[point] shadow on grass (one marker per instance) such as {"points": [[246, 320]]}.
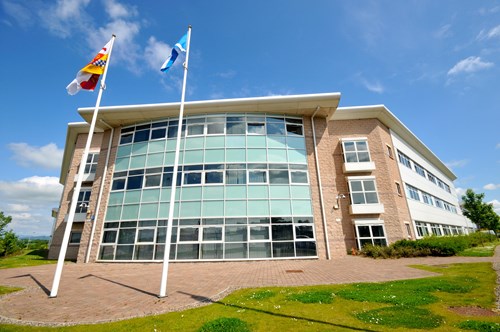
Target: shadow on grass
{"points": [[208, 300], [45, 289], [119, 284], [43, 253]]}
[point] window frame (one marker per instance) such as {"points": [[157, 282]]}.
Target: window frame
{"points": [[362, 179], [356, 151]]}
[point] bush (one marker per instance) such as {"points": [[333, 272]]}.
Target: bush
{"points": [[225, 324], [428, 246]]}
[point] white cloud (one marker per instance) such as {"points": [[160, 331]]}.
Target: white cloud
{"points": [[443, 32], [498, 146], [496, 205], [18, 207], [156, 52], [457, 163], [117, 10], [227, 74], [19, 13], [47, 156], [492, 33], [460, 191], [469, 65], [373, 86], [71, 18], [29, 202], [65, 16], [491, 186]]}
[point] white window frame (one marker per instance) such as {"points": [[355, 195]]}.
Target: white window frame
{"points": [[350, 179], [355, 140], [369, 223]]}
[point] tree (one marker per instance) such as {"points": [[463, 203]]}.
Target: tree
{"points": [[479, 212], [9, 242]]}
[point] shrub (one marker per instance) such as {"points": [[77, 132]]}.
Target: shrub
{"points": [[480, 326], [225, 324], [428, 246], [324, 296]]}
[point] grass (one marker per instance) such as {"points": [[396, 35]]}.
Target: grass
{"points": [[408, 305], [4, 290], [486, 250], [26, 258]]}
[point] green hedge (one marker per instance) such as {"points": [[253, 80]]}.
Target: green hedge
{"points": [[428, 246]]}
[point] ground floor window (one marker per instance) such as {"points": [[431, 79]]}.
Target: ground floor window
{"points": [[75, 237], [210, 239], [370, 232]]}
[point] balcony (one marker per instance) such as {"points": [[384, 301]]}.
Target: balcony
{"points": [[366, 208], [354, 167]]}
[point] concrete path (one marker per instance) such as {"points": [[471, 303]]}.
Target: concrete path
{"points": [[91, 293]]}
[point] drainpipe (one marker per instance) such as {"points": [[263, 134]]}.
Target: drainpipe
{"points": [[89, 247], [321, 200]]}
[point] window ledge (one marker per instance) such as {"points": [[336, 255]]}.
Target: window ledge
{"points": [[366, 208], [359, 167], [86, 177], [78, 217]]}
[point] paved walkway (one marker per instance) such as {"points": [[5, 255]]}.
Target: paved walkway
{"points": [[91, 293]]}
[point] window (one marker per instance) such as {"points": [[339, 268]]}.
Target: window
{"points": [[298, 176], [431, 178], [363, 191], [236, 177], [427, 198], [75, 237], [422, 229], [91, 164], [214, 177], [412, 192], [256, 128], [83, 200], [257, 176], [370, 232], [436, 230], [356, 151], [408, 230], [404, 159], [192, 178], [389, 152], [398, 189], [419, 169]]}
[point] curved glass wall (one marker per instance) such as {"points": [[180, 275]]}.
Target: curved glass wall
{"points": [[242, 190]]}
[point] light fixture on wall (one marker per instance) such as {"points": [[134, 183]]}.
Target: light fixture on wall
{"points": [[337, 203]]}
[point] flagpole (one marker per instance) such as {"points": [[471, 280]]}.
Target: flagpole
{"points": [[76, 190], [166, 257]]}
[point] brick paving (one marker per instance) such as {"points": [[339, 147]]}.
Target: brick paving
{"points": [[91, 293]]}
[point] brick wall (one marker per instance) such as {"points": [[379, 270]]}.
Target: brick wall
{"points": [[60, 226], [340, 228]]}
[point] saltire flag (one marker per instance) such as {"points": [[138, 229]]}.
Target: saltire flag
{"points": [[88, 76], [179, 47]]}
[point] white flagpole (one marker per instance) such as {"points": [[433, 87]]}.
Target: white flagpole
{"points": [[76, 190], [166, 257]]}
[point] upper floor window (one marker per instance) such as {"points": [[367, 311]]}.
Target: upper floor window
{"points": [[363, 191], [83, 200], [91, 164], [356, 151], [404, 159], [419, 169], [413, 192]]}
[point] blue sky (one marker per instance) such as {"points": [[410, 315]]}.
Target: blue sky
{"points": [[434, 64]]}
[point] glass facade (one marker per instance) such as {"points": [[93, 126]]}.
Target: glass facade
{"points": [[242, 190]]}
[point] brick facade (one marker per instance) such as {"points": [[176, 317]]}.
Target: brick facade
{"points": [[60, 224]]}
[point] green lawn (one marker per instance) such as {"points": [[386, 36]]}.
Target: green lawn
{"points": [[26, 258], [407, 305], [486, 250]]}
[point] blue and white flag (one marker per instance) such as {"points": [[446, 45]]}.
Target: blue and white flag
{"points": [[179, 47]]}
